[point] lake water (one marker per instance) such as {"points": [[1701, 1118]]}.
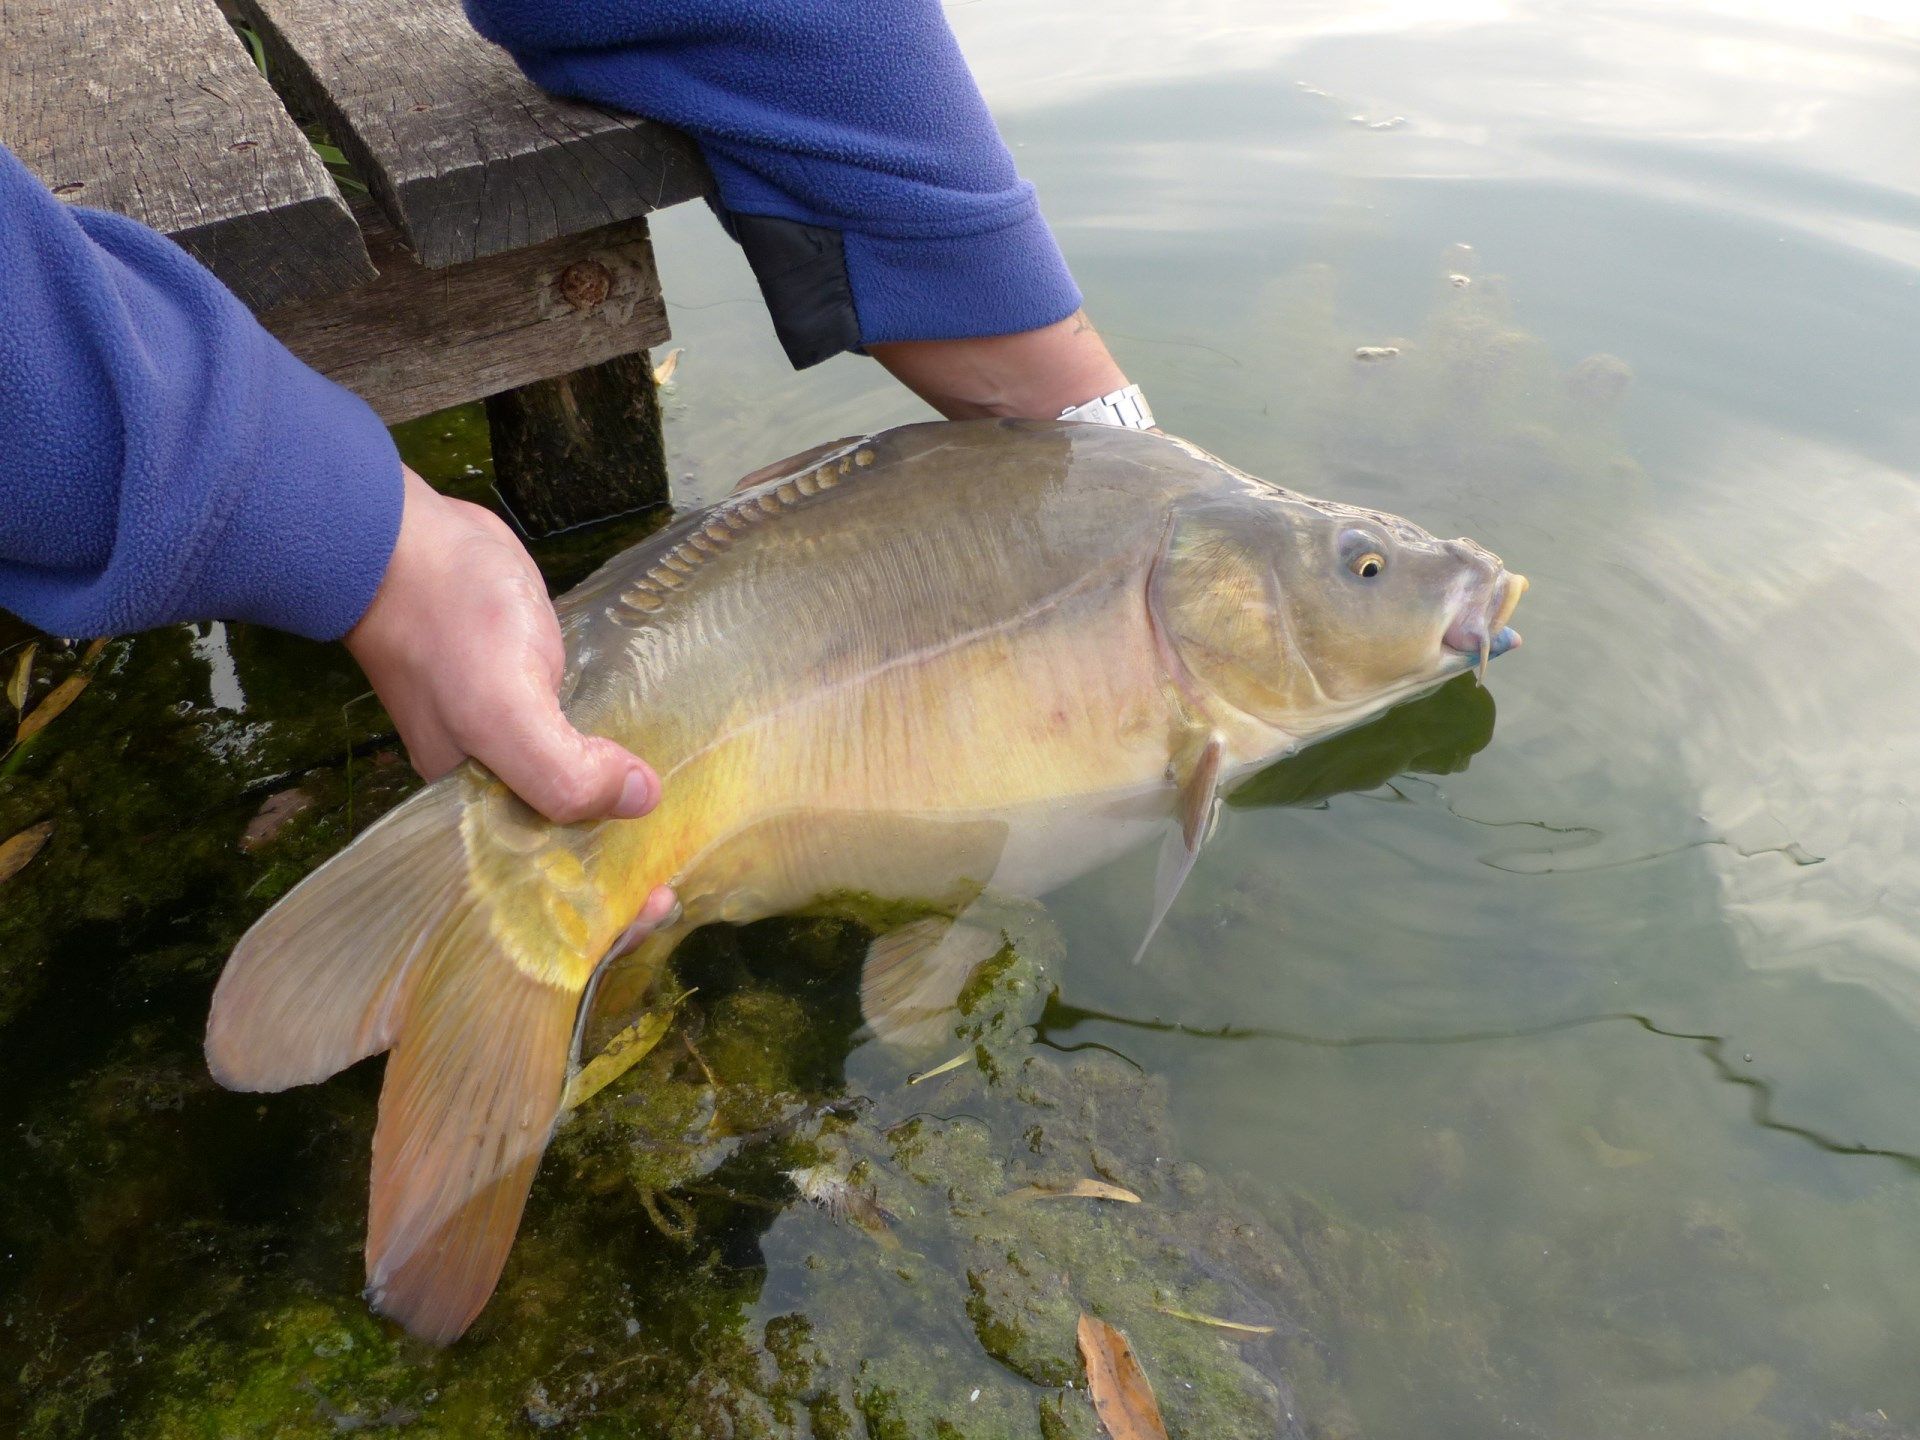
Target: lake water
{"points": [[1628, 1011], [1593, 998]]}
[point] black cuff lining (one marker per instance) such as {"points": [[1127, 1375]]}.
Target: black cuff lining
{"points": [[802, 270]]}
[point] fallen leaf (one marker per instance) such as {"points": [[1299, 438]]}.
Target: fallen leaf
{"points": [[623, 1052], [663, 372], [1077, 1190], [48, 710], [61, 696], [16, 852], [272, 817], [942, 1068], [1215, 1321], [22, 675], [1122, 1397]]}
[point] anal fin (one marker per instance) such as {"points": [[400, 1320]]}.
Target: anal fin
{"points": [[914, 975]]}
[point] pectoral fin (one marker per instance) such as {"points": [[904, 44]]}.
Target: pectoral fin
{"points": [[914, 975], [1199, 807]]}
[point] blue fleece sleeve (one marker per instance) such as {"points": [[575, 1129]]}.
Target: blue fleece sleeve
{"points": [[161, 456], [854, 126]]}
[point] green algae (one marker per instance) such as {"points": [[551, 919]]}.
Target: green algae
{"points": [[183, 1262]]}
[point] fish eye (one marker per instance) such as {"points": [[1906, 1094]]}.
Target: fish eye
{"points": [[1367, 564]]}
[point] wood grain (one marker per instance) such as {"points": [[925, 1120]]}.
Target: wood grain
{"points": [[153, 109], [467, 156], [419, 340]]}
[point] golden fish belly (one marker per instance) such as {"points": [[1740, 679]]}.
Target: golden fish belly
{"points": [[1012, 758]]}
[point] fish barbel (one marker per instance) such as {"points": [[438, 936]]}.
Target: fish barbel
{"points": [[935, 664]]}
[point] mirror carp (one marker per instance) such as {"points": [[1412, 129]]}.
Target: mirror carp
{"points": [[940, 664]]}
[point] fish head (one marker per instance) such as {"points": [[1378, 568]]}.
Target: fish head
{"points": [[1311, 617]]}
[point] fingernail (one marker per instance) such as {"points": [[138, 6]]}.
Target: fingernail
{"points": [[637, 795]]}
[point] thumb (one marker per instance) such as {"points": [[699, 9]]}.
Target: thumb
{"points": [[568, 776]]}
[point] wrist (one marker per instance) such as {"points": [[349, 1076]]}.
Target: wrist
{"points": [[1035, 374], [416, 548]]}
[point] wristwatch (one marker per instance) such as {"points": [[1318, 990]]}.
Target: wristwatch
{"points": [[1126, 408]]}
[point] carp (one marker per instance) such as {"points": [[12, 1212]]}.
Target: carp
{"points": [[942, 664]]}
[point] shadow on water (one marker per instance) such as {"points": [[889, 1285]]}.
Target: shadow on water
{"points": [[1435, 735]]}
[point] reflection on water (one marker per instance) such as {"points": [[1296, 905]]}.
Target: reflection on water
{"points": [[1570, 1058]]}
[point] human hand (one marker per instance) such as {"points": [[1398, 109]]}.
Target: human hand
{"points": [[463, 648]]}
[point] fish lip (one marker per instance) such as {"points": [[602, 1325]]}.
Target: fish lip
{"points": [[1480, 631], [1510, 593]]}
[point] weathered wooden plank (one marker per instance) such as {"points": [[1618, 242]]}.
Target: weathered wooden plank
{"points": [[580, 447], [419, 340], [467, 156], [153, 108]]}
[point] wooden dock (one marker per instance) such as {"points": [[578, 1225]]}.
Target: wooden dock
{"points": [[499, 251]]}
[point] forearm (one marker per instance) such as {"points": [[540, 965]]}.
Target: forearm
{"points": [[855, 159], [161, 456], [1035, 374]]}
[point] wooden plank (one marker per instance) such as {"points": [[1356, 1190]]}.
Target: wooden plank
{"points": [[419, 340], [153, 108], [466, 155]]}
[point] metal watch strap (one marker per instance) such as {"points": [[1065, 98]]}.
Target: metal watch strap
{"points": [[1126, 408]]}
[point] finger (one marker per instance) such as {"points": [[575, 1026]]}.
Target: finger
{"points": [[565, 775], [430, 750]]}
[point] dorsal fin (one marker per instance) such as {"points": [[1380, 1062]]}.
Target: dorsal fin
{"points": [[633, 589], [805, 460]]}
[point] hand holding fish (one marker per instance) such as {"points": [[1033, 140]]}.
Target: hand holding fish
{"points": [[462, 646]]}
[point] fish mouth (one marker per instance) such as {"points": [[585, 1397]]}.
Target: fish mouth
{"points": [[1480, 632]]}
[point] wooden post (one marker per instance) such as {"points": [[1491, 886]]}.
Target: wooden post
{"points": [[585, 446]]}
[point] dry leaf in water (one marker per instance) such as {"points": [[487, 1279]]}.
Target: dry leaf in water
{"points": [[625, 1050], [1238, 1326], [273, 816], [17, 851], [941, 1069], [22, 676], [61, 696], [48, 710], [1122, 1398], [663, 372], [1077, 1190]]}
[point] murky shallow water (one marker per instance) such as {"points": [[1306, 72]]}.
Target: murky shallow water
{"points": [[1604, 1028]]}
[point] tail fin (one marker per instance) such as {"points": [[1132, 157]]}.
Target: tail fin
{"points": [[473, 1089], [388, 945]]}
